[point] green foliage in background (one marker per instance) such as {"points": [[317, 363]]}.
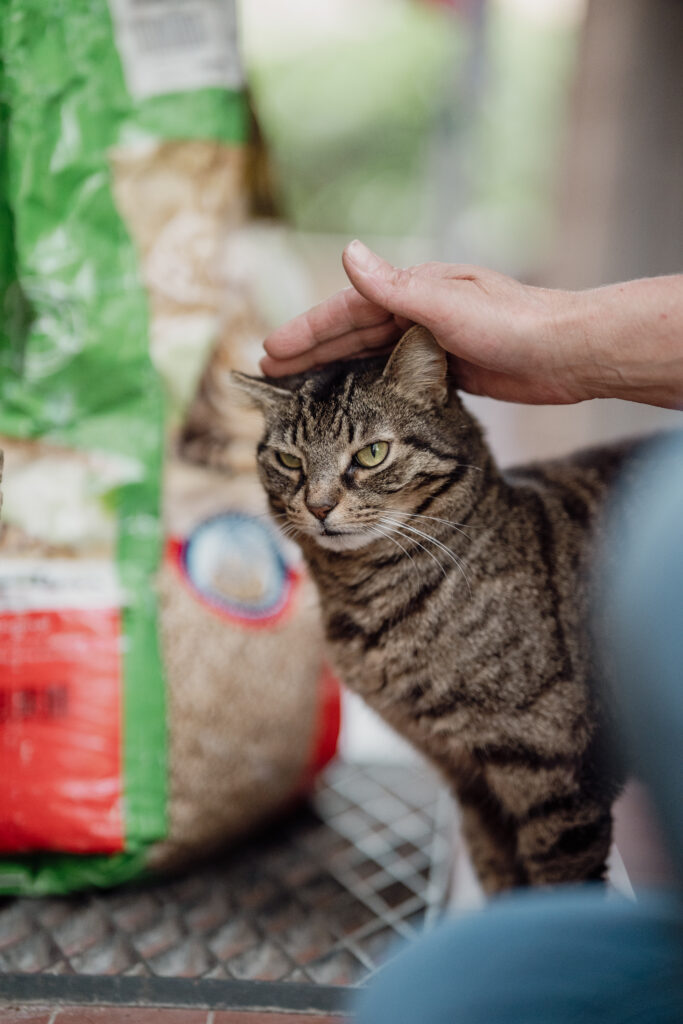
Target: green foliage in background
{"points": [[514, 163], [351, 122], [387, 133]]}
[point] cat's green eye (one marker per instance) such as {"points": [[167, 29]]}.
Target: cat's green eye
{"points": [[290, 461], [372, 455]]}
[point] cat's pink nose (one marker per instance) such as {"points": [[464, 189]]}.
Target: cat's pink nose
{"points": [[319, 511]]}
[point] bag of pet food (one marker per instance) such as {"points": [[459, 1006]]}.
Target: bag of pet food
{"points": [[162, 678]]}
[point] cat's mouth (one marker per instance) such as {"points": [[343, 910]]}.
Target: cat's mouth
{"points": [[341, 540]]}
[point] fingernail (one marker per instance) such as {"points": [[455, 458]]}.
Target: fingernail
{"points": [[364, 258]]}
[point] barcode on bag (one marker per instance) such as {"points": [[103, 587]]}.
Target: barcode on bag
{"points": [[174, 32], [177, 45]]}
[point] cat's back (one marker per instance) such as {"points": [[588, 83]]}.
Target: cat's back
{"points": [[583, 481], [564, 504]]}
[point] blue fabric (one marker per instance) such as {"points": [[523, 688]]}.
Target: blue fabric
{"points": [[569, 956], [644, 597], [573, 955]]}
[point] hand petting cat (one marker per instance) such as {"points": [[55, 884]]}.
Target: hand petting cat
{"points": [[505, 339]]}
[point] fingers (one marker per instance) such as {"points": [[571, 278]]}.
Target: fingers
{"points": [[355, 343], [383, 302], [411, 294], [336, 317]]}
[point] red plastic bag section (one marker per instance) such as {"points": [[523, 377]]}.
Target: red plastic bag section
{"points": [[60, 731]]}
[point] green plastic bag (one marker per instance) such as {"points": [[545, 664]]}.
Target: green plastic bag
{"points": [[82, 423]]}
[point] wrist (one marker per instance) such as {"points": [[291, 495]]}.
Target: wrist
{"points": [[621, 341], [564, 334]]}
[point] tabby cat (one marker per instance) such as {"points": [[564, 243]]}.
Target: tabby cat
{"points": [[454, 597]]}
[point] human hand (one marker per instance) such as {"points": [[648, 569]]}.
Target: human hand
{"points": [[505, 339], [489, 324]]}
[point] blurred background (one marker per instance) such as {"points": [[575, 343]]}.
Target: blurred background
{"points": [[543, 138]]}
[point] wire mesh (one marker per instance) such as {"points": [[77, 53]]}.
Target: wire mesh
{"points": [[320, 898]]}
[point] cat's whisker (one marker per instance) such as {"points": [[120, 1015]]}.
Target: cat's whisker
{"points": [[378, 531], [397, 528], [459, 560], [434, 540], [435, 519], [451, 554], [289, 532], [267, 515]]}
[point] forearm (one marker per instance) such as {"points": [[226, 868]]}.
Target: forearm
{"points": [[625, 340]]}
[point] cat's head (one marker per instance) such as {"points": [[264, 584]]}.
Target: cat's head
{"points": [[348, 447]]}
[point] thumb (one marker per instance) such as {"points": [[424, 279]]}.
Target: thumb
{"points": [[396, 290]]}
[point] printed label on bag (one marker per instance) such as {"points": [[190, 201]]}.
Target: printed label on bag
{"points": [[60, 706], [177, 45], [235, 564], [42, 583]]}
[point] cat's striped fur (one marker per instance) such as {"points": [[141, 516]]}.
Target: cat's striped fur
{"points": [[460, 617]]}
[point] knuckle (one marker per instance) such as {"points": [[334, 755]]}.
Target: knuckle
{"points": [[400, 277]]}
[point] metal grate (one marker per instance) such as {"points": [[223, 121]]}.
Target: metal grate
{"points": [[317, 901]]}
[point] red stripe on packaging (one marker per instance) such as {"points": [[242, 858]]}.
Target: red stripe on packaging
{"points": [[60, 731], [327, 725]]}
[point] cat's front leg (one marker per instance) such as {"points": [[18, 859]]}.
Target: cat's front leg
{"points": [[563, 833], [565, 839], [490, 836]]}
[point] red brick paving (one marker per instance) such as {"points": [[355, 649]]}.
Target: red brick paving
{"points": [[152, 1015], [234, 1017], [129, 1015], [14, 1016]]}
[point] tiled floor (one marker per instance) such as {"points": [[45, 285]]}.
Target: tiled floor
{"points": [[288, 921], [314, 905]]}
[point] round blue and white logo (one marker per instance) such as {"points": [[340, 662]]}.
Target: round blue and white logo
{"points": [[236, 564]]}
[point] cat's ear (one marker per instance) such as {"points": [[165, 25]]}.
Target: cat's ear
{"points": [[418, 366], [268, 397]]}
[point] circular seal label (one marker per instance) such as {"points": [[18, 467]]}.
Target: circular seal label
{"points": [[235, 563]]}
